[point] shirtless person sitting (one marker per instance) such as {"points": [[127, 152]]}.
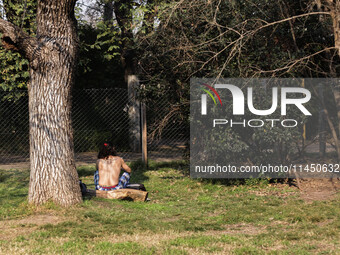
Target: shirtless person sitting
{"points": [[109, 166]]}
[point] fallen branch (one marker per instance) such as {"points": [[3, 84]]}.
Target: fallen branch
{"points": [[126, 194]]}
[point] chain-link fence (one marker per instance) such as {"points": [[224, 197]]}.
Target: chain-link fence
{"points": [[14, 139], [168, 131], [98, 115]]}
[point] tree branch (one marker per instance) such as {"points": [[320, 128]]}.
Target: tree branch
{"points": [[15, 39]]}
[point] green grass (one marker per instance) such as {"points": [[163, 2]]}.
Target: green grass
{"points": [[185, 216]]}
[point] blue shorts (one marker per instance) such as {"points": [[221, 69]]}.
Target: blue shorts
{"points": [[123, 181]]}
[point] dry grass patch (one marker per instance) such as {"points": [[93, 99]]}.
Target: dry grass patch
{"points": [[10, 229]]}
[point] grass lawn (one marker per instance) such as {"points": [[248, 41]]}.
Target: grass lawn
{"points": [[184, 216]]}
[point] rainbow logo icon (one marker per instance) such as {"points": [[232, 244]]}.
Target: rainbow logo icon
{"points": [[211, 95]]}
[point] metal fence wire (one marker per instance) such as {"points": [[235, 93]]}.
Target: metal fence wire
{"points": [[168, 132], [14, 133], [98, 115]]}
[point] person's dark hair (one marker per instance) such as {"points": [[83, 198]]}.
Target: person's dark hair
{"points": [[107, 150]]}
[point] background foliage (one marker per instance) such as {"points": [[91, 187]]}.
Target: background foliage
{"points": [[166, 43]]}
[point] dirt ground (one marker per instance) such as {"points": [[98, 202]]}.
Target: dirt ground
{"points": [[309, 189], [89, 158], [319, 189], [162, 154]]}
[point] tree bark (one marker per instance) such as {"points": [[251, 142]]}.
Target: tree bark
{"points": [[52, 56], [337, 101], [123, 14], [321, 124], [335, 14], [108, 11], [333, 7], [330, 124], [134, 113]]}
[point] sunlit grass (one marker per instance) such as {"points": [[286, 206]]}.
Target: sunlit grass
{"points": [[184, 216]]}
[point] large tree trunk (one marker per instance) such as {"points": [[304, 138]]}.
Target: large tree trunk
{"points": [[52, 56], [337, 101], [336, 27], [123, 11], [134, 113], [53, 171], [108, 11], [124, 17], [321, 124], [334, 9]]}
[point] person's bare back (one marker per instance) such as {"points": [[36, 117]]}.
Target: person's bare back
{"points": [[109, 165], [109, 170]]}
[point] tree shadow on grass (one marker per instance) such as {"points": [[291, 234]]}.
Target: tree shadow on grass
{"points": [[85, 171], [17, 178], [13, 195], [183, 167]]}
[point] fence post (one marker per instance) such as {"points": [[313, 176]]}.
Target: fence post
{"points": [[144, 135]]}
